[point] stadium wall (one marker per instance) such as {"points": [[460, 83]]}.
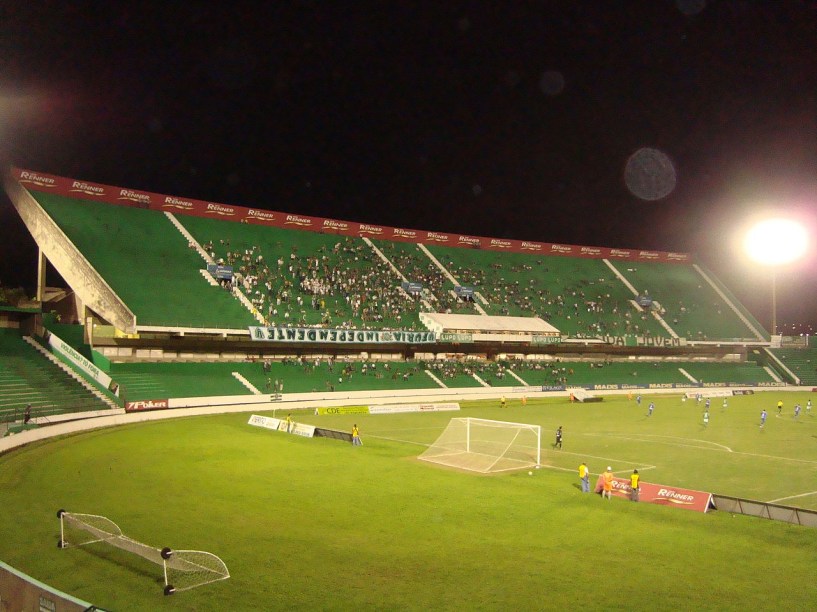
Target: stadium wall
{"points": [[158, 409], [18, 591]]}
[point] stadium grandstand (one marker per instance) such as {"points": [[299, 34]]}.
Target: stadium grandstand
{"points": [[168, 297]]}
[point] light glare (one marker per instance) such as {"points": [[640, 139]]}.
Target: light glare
{"points": [[776, 241]]}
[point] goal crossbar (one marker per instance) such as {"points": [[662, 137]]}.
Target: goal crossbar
{"points": [[490, 422], [182, 569]]}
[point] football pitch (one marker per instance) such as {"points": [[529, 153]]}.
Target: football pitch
{"points": [[319, 524]]}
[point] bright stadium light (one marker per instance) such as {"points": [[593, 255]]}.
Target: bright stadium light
{"points": [[776, 241], [773, 243]]}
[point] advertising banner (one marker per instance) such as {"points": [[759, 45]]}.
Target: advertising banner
{"points": [[343, 410], [412, 287], [456, 338], [339, 336], [71, 354], [658, 341], [220, 272], [297, 429], [538, 340], [266, 422], [664, 495], [303, 430], [395, 408], [40, 181], [152, 404]]}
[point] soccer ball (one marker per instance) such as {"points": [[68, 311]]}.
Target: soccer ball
{"points": [[530, 473]]}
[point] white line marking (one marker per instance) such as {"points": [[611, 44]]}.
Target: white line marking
{"points": [[563, 469], [397, 440], [440, 429], [650, 438], [806, 461], [555, 453], [772, 501], [692, 439], [586, 456]]}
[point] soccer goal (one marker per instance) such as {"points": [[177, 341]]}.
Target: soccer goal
{"points": [[486, 446], [182, 569]]}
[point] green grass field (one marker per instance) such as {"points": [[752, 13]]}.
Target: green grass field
{"points": [[318, 524]]}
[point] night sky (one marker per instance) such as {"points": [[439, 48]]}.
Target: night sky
{"points": [[504, 119]]}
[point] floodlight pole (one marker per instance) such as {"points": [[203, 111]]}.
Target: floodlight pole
{"points": [[774, 303]]}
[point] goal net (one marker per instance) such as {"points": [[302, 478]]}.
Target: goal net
{"points": [[486, 446], [182, 569]]}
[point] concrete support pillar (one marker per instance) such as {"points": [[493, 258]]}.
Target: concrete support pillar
{"points": [[41, 262], [80, 308]]}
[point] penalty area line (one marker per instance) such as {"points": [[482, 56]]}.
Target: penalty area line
{"points": [[707, 445]]}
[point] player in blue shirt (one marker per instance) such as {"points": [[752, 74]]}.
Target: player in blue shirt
{"points": [[763, 416], [650, 408]]}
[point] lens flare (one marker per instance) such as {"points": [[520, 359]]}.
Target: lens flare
{"points": [[776, 241]]}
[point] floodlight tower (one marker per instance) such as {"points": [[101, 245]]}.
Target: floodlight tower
{"points": [[773, 243]]}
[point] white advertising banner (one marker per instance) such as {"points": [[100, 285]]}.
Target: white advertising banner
{"points": [[301, 429], [395, 408], [71, 354], [266, 422], [297, 429]]}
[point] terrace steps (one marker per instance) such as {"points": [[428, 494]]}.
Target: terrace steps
{"points": [[71, 373]]}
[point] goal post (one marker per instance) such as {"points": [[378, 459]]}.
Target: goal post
{"points": [[486, 446], [182, 569]]}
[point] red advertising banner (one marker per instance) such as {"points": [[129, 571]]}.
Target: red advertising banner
{"points": [[39, 181], [142, 405], [664, 495]]}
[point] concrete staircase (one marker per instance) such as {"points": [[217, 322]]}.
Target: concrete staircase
{"points": [[79, 379]]}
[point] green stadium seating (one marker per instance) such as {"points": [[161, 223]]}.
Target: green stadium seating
{"points": [[148, 380], [802, 362], [693, 309], [147, 262], [142, 381], [313, 278], [365, 292], [582, 373], [580, 297], [163, 380], [26, 377], [416, 266], [739, 373]]}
